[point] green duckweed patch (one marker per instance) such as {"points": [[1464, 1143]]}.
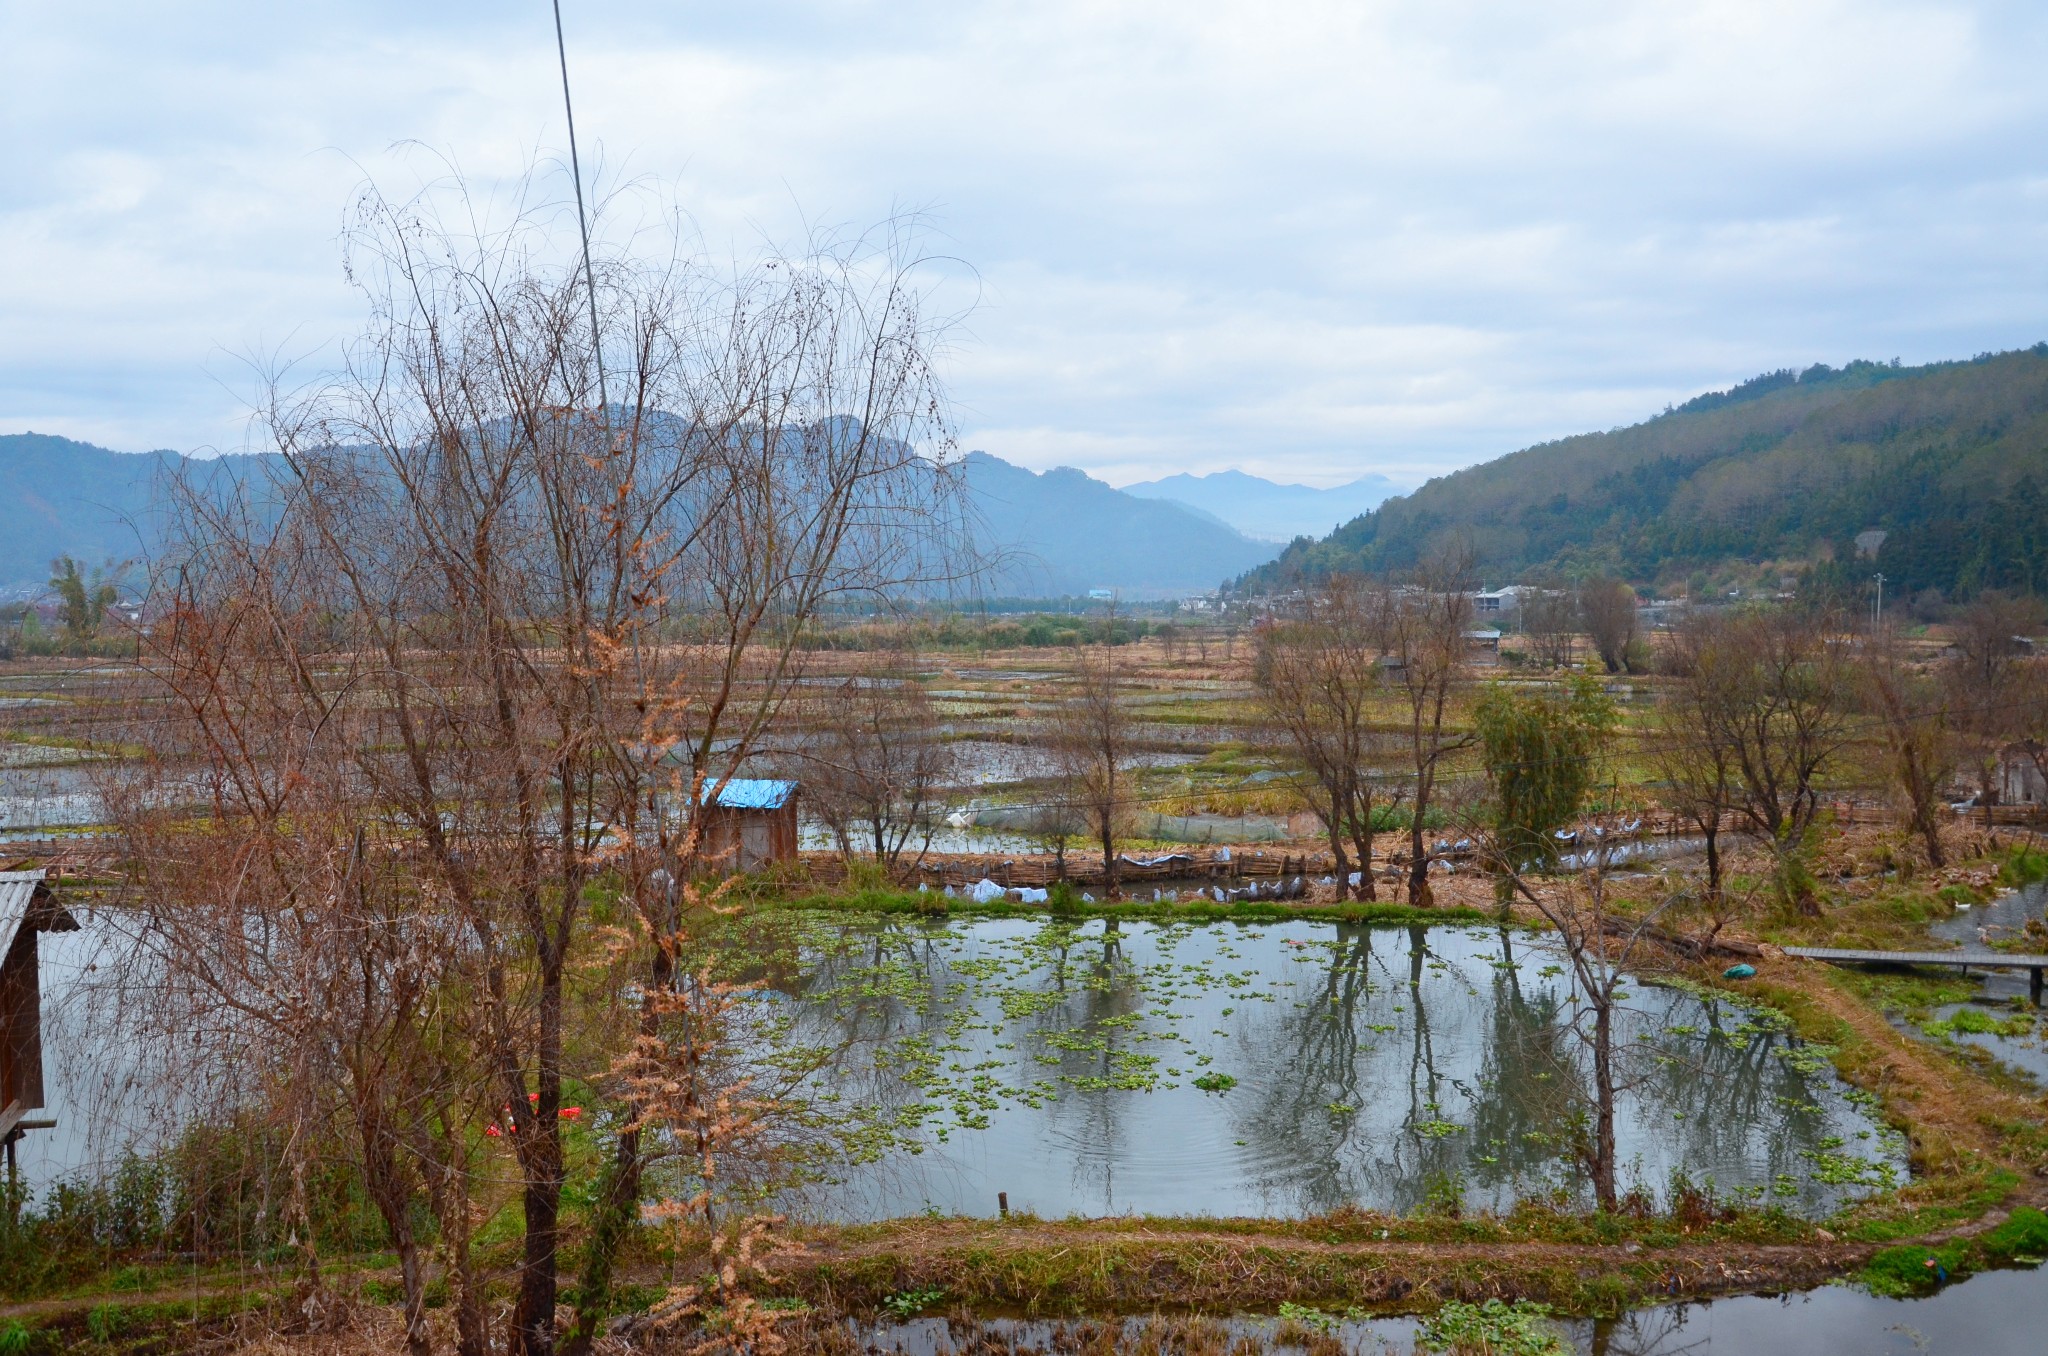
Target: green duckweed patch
{"points": [[1495, 1327]]}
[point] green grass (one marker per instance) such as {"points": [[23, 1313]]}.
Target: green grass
{"points": [[2023, 866], [1915, 1270]]}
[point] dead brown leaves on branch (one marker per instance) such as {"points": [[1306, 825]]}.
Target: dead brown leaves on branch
{"points": [[684, 1091], [473, 656]]}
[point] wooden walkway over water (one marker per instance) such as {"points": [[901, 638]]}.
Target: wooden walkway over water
{"points": [[1985, 960]]}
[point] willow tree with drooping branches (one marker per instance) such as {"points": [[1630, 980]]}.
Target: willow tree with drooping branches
{"points": [[1542, 750]]}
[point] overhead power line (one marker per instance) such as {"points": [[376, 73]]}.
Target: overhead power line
{"points": [[582, 219]]}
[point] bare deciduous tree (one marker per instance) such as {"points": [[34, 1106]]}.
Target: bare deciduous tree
{"points": [[1912, 722], [1424, 628], [507, 636], [1091, 749], [875, 762], [1603, 947], [1695, 758], [1318, 678], [1550, 619], [1986, 675], [1608, 607], [1768, 688]]}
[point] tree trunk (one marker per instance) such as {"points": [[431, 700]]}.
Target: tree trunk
{"points": [[1603, 1093], [533, 1318], [619, 1192], [1930, 833], [385, 1185], [1919, 786], [1418, 855], [1358, 819], [439, 1154], [1710, 829]]}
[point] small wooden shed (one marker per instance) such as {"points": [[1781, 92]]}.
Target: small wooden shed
{"points": [[749, 822], [28, 908]]}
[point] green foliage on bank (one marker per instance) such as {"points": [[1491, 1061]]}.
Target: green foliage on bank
{"points": [[1915, 1270]]}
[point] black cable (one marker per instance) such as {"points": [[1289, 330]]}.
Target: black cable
{"points": [[582, 222]]}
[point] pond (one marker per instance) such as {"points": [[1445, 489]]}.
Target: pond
{"points": [[1993, 1314], [1280, 1069]]}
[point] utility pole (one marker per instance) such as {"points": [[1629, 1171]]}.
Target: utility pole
{"points": [[1877, 609]]}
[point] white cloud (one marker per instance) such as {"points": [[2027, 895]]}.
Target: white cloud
{"points": [[1311, 239]]}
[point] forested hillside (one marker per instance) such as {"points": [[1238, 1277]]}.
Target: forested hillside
{"points": [[1949, 460]]}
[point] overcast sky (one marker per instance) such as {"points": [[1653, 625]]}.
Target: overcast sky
{"points": [[1309, 240]]}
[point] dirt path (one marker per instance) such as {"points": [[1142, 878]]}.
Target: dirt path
{"points": [[1956, 1116], [1077, 1267]]}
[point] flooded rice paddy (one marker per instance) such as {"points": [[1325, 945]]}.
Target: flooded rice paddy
{"points": [[1279, 1069], [1999, 1019]]}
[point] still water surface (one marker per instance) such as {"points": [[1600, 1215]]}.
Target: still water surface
{"points": [[1283, 1070], [1997, 1313]]}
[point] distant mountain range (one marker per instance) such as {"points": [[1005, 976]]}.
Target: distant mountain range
{"points": [[1944, 466], [1271, 512], [1066, 533], [1061, 533], [72, 498]]}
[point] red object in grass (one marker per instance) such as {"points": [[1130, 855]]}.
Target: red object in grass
{"points": [[491, 1130], [570, 1113]]}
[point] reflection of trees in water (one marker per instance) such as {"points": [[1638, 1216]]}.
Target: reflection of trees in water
{"points": [[1491, 1071], [1722, 1100], [1430, 1152], [1348, 1125], [1096, 1129], [914, 992], [1529, 1084], [1647, 1332], [1315, 1056]]}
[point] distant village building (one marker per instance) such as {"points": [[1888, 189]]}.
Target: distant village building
{"points": [[2012, 647], [750, 823], [1660, 614], [2019, 775], [1487, 601], [27, 909]]}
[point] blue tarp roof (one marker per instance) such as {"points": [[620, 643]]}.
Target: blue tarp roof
{"points": [[752, 793]]}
